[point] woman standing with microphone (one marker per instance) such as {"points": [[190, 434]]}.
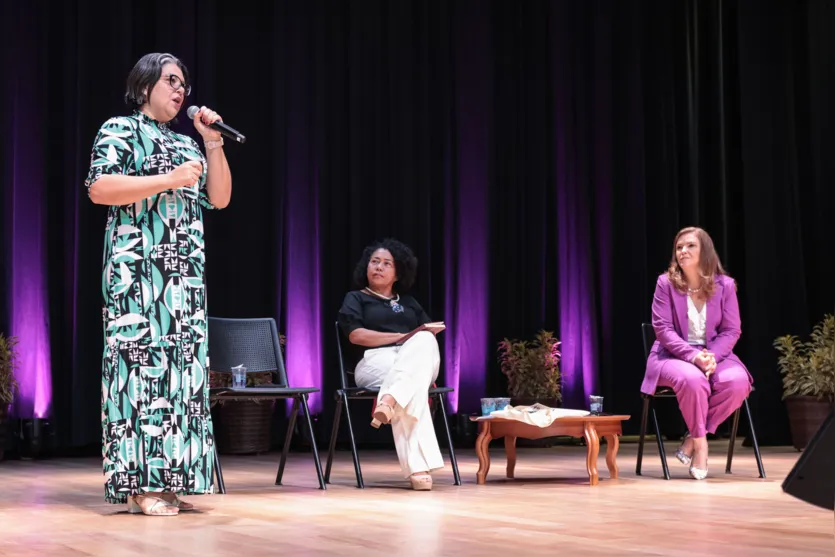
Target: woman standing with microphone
{"points": [[156, 422]]}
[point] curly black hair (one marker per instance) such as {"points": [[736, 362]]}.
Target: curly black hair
{"points": [[405, 264]]}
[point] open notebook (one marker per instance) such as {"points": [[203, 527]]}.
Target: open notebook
{"points": [[434, 327]]}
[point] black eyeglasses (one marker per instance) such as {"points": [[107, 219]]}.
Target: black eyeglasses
{"points": [[175, 83]]}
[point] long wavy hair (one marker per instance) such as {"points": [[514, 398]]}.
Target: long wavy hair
{"points": [[709, 264]]}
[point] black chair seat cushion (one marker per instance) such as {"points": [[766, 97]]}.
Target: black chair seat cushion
{"points": [[353, 392], [262, 390]]}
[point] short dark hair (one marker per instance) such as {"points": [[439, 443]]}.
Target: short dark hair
{"points": [[146, 73], [405, 264]]}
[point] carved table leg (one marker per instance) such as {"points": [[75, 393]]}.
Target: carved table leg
{"points": [[612, 454], [482, 447], [592, 450], [510, 451]]}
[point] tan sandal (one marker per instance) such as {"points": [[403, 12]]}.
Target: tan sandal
{"points": [[175, 501], [421, 482], [151, 506], [383, 414]]}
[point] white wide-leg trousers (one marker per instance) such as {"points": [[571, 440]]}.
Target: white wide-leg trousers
{"points": [[406, 372]]}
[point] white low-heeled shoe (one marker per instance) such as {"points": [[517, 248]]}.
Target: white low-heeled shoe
{"points": [[683, 457], [698, 473]]}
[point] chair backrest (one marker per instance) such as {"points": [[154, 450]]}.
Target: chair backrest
{"points": [[649, 338], [343, 372], [251, 342]]}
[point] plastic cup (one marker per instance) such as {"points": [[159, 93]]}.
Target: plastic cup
{"points": [[596, 404], [239, 377]]}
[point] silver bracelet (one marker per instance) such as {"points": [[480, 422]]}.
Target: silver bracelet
{"points": [[213, 144]]}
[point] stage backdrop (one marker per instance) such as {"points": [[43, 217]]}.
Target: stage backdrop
{"points": [[538, 156]]}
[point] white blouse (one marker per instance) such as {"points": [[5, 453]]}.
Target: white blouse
{"points": [[696, 323]]}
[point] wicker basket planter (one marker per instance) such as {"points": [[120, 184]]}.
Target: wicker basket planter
{"points": [[243, 426]]}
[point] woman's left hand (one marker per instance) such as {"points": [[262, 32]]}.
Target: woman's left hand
{"points": [[705, 361], [711, 366], [203, 119]]}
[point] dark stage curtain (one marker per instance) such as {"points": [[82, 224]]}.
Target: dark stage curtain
{"points": [[538, 156]]}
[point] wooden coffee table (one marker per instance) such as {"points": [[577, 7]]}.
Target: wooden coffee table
{"points": [[592, 428]]}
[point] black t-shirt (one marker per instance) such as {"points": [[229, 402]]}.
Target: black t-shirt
{"points": [[365, 311]]}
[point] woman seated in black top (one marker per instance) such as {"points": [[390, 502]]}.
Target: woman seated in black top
{"points": [[378, 318]]}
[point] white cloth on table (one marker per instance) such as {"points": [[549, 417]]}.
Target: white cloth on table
{"points": [[537, 414]]}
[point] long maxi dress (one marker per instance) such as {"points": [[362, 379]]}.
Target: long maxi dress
{"points": [[156, 420]]}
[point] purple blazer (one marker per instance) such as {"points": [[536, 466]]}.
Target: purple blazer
{"points": [[669, 319]]}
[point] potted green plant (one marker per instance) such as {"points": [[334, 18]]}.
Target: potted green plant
{"points": [[8, 383], [808, 370], [242, 425], [532, 369]]}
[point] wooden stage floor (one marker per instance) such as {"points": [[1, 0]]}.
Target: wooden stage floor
{"points": [[56, 507]]}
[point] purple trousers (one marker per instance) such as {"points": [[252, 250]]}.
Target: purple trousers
{"points": [[706, 402]]}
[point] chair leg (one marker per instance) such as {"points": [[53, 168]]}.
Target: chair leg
{"points": [[452, 460], [316, 461], [754, 441], [644, 415], [334, 433], [354, 453], [291, 424], [221, 487], [660, 441], [732, 443]]}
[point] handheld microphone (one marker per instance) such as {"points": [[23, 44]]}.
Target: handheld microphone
{"points": [[228, 131]]}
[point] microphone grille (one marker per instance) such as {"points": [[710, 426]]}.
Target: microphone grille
{"points": [[192, 110]]}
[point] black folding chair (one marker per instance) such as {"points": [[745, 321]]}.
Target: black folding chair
{"points": [[254, 343], [349, 392], [667, 393]]}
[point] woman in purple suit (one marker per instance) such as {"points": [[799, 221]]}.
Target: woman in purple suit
{"points": [[695, 315]]}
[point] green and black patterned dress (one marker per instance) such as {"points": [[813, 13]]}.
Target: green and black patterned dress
{"points": [[156, 420]]}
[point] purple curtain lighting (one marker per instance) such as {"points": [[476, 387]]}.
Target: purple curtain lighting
{"points": [[602, 213], [578, 331], [467, 283], [26, 227], [303, 301]]}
